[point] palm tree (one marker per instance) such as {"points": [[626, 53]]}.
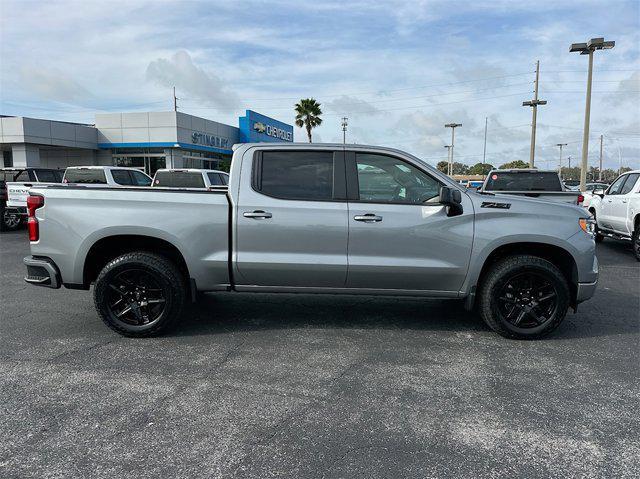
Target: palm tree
{"points": [[308, 114]]}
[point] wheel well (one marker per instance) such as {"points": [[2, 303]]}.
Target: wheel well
{"points": [[554, 254], [111, 247]]}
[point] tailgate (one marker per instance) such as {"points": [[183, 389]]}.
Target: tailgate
{"points": [[17, 193]]}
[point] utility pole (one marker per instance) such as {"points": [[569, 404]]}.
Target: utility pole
{"points": [[484, 150], [449, 167], [534, 106], [175, 100], [453, 127], [560, 162], [345, 122], [588, 49], [600, 168], [569, 158]]}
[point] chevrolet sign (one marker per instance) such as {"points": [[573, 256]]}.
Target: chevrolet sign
{"points": [[273, 131]]}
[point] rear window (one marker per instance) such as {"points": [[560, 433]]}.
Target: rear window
{"points": [[14, 175], [85, 175], [523, 181], [179, 179], [121, 177], [49, 176]]}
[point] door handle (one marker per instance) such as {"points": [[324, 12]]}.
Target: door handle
{"points": [[257, 214], [368, 218]]}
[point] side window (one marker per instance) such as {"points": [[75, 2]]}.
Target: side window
{"points": [[225, 178], [295, 175], [140, 179], [214, 179], [615, 188], [384, 179], [23, 176], [630, 183], [121, 177]]}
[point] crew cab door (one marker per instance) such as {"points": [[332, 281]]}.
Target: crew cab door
{"points": [[400, 237], [621, 202], [291, 220], [611, 203]]}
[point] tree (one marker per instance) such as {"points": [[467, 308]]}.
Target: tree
{"points": [[514, 164], [308, 114], [458, 168], [443, 166], [480, 169]]}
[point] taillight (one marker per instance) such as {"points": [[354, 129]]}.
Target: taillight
{"points": [[33, 203], [580, 199]]}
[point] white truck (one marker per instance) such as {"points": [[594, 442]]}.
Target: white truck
{"points": [[617, 210], [106, 175], [190, 178]]}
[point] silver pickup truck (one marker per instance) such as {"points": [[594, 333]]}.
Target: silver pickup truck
{"points": [[530, 182], [316, 218]]}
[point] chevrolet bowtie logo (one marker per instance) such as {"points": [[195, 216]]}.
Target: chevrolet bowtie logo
{"points": [[259, 127]]}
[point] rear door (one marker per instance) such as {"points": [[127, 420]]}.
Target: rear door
{"points": [[291, 220], [400, 237]]}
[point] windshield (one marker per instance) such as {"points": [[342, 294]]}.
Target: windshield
{"points": [[523, 181]]}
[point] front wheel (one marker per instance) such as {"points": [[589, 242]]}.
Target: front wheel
{"points": [[524, 297], [635, 239], [598, 237], [139, 294]]}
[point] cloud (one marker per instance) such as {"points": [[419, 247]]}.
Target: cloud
{"points": [[193, 81], [54, 85], [345, 105]]}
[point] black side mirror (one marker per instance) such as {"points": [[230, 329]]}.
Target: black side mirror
{"points": [[452, 199]]}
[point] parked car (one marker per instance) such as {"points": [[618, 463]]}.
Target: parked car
{"points": [[544, 185], [190, 178], [314, 219], [617, 210], [106, 175], [14, 187], [588, 192]]}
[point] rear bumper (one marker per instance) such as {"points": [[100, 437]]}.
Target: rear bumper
{"points": [[42, 271]]}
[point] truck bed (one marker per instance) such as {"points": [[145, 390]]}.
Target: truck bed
{"points": [[196, 222]]}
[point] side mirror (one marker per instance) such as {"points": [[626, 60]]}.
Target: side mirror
{"points": [[599, 192], [452, 199]]}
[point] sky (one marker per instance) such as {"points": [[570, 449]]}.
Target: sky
{"points": [[399, 70]]}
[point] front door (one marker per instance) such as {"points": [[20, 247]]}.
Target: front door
{"points": [[610, 203], [292, 220], [400, 237], [620, 204]]}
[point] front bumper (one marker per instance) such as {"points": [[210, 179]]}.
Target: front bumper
{"points": [[42, 271]]}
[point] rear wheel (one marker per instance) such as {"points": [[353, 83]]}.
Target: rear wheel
{"points": [[10, 221], [139, 294], [524, 297]]}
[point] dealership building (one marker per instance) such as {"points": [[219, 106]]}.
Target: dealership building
{"points": [[147, 141]]}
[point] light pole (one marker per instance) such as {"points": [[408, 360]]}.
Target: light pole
{"points": [[600, 168], [453, 127], [484, 150], [449, 166], [560, 162], [534, 106], [345, 122], [588, 49]]}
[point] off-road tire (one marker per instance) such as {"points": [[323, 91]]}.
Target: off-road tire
{"points": [[165, 273], [598, 237], [635, 241], [499, 273]]}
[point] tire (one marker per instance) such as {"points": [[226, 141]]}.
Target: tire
{"points": [[149, 285], [598, 237], [9, 222], [544, 306], [635, 241]]}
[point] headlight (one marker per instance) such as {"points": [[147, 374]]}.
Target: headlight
{"points": [[588, 225]]}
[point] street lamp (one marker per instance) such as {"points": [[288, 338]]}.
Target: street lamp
{"points": [[345, 122], [560, 162], [588, 49], [534, 105], [453, 127]]}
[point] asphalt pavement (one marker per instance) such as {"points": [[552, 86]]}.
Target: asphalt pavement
{"points": [[260, 386]]}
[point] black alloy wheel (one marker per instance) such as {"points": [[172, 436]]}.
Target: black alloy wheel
{"points": [[527, 300], [135, 297], [140, 294], [10, 221], [635, 238]]}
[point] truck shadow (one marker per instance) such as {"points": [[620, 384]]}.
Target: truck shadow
{"points": [[238, 312]]}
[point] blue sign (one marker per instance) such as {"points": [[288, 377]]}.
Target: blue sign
{"points": [[255, 128]]}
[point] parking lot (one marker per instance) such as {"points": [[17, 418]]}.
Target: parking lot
{"points": [[317, 386]]}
